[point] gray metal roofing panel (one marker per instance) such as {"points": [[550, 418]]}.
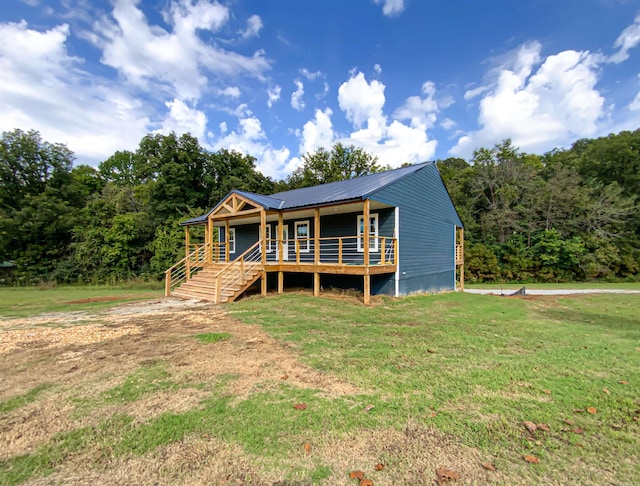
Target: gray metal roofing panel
{"points": [[267, 202], [198, 219], [346, 190]]}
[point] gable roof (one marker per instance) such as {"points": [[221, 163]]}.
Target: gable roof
{"points": [[332, 192]]}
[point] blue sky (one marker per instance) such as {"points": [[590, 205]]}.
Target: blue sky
{"points": [[408, 80]]}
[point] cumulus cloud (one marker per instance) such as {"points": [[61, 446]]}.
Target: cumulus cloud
{"points": [[448, 124], [44, 88], [254, 25], [250, 139], [311, 75], [274, 95], [297, 103], [539, 103], [421, 111], [391, 8], [628, 39], [394, 143], [317, 132], [184, 119], [377, 69], [179, 61], [361, 101], [230, 91]]}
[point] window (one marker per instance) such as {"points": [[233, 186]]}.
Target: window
{"points": [[373, 233], [302, 234], [269, 241], [232, 240]]}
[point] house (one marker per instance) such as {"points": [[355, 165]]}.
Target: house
{"points": [[394, 232]]}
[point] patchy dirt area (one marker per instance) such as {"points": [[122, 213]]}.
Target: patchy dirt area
{"points": [[81, 356]]}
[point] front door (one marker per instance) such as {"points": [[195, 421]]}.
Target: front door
{"points": [[285, 244]]}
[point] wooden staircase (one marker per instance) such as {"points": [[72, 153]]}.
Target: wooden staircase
{"points": [[203, 286], [220, 282]]}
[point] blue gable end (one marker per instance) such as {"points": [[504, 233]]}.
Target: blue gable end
{"points": [[427, 221]]}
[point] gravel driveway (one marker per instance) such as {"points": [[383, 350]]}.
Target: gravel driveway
{"points": [[510, 290]]}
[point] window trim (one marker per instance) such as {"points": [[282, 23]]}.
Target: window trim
{"points": [[268, 238], [360, 236], [231, 241], [306, 247]]}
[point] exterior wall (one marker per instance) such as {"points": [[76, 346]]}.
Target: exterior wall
{"points": [[246, 235], [427, 237]]}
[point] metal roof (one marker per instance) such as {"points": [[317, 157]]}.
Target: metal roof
{"points": [[324, 194], [347, 190]]}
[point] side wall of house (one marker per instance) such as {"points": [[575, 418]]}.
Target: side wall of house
{"points": [[427, 231]]}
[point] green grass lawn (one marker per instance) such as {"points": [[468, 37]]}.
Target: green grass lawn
{"points": [[477, 367], [452, 374], [29, 301]]}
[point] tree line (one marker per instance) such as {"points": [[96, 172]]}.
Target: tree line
{"points": [[565, 215]]}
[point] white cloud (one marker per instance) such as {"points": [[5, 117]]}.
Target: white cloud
{"points": [[391, 7], [43, 88], [472, 93], [31, 3], [230, 91], [318, 132], [223, 127], [447, 124], [539, 104], [178, 62], [361, 101], [250, 139], [297, 103], [184, 119], [377, 69], [311, 75], [628, 39], [394, 143], [325, 91], [274, 95], [420, 111], [254, 24]]}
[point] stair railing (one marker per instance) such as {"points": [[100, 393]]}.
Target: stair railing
{"points": [[234, 273], [185, 268]]}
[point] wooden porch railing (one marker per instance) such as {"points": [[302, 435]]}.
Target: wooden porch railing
{"points": [[235, 272], [218, 250], [342, 250], [185, 268]]}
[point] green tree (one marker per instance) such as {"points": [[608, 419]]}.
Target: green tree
{"points": [[339, 164]]}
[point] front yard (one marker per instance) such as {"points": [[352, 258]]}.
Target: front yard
{"points": [[300, 390]]}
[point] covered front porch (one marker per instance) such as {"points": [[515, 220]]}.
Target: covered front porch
{"points": [[242, 236]]}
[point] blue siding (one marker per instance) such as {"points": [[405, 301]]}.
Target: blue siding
{"points": [[246, 235], [427, 231]]}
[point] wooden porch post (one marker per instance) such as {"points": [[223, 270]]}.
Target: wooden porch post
{"points": [[316, 236], [280, 238], [367, 276], [207, 247], [280, 249], [226, 240], [209, 236], [186, 245], [263, 245]]}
